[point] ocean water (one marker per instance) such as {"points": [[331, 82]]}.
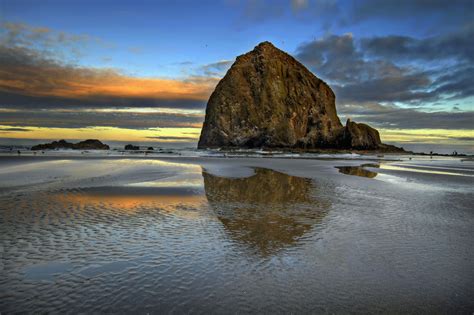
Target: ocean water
{"points": [[234, 235]]}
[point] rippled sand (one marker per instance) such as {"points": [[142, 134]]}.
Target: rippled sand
{"points": [[236, 235]]}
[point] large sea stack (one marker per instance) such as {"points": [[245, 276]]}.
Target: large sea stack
{"points": [[268, 99]]}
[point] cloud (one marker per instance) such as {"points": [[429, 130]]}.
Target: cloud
{"points": [[455, 45], [14, 129], [444, 11], [135, 50], [36, 70], [402, 88], [58, 45], [299, 4], [216, 69], [27, 75], [173, 138], [260, 11], [375, 69], [358, 79], [424, 15], [463, 138], [458, 83], [394, 117], [82, 118]]}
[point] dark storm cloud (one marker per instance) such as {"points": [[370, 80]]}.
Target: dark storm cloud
{"points": [[403, 88], [458, 83], [358, 79], [82, 119], [20, 101], [456, 45], [370, 70]]}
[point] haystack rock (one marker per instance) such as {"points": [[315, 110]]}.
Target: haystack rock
{"points": [[269, 99]]}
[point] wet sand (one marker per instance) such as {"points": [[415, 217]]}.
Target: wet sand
{"points": [[225, 235]]}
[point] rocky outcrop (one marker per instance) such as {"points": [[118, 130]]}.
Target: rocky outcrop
{"points": [[90, 144], [269, 99], [131, 147], [359, 136]]}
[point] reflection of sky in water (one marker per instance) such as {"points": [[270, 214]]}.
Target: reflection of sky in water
{"points": [[46, 271], [154, 233], [190, 178], [266, 211], [405, 174], [428, 169], [370, 170], [181, 187]]}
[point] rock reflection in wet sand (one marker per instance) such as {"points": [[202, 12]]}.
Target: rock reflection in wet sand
{"points": [[358, 170], [267, 211]]}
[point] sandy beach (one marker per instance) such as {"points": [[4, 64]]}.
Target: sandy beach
{"points": [[144, 233]]}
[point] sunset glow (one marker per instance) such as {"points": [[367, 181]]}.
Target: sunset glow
{"points": [[75, 78]]}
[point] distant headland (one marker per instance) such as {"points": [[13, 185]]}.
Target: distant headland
{"points": [[268, 99], [90, 144]]}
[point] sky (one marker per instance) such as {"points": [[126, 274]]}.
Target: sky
{"points": [[142, 71]]}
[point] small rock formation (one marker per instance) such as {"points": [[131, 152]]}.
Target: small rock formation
{"points": [[269, 99], [359, 136], [90, 144], [132, 147]]}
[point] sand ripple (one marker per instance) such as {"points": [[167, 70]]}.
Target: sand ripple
{"points": [[192, 242]]}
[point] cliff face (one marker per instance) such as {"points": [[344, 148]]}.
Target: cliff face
{"points": [[269, 99]]}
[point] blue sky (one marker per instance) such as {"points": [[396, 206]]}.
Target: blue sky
{"points": [[151, 37], [388, 61]]}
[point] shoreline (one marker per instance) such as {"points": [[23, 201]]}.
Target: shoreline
{"points": [[132, 168], [232, 150]]}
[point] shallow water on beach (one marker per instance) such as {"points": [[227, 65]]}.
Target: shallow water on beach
{"points": [[147, 236]]}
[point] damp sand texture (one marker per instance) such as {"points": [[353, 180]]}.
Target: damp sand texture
{"points": [[210, 235]]}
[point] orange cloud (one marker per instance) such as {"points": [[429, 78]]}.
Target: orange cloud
{"points": [[45, 78], [32, 65]]}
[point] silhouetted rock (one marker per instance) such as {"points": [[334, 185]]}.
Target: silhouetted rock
{"points": [[90, 144], [359, 136], [132, 147], [269, 99], [150, 149]]}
